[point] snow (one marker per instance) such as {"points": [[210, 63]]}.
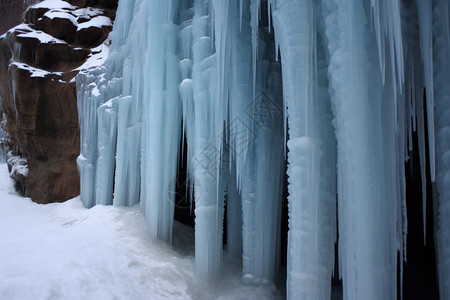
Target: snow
{"points": [[20, 166], [41, 36], [89, 11], [35, 72], [54, 4], [98, 21], [97, 57], [52, 14], [61, 11], [65, 251]]}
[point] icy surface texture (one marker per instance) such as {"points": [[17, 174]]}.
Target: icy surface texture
{"points": [[311, 151], [441, 72], [335, 89], [113, 111], [367, 202]]}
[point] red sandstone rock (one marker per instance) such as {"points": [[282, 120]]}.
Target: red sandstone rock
{"points": [[11, 13], [38, 63]]}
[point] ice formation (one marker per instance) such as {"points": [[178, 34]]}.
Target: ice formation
{"points": [[19, 165], [335, 87]]}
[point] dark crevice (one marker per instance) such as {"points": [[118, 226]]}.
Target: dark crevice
{"points": [[419, 274], [184, 204]]}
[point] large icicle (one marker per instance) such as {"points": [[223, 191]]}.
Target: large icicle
{"points": [[161, 118], [263, 160], [107, 133], [441, 55], [367, 212], [424, 8], [203, 144], [311, 152]]}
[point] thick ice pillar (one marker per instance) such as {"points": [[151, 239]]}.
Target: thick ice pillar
{"points": [[90, 97], [128, 157], [107, 134], [367, 213], [260, 92], [161, 117], [441, 68], [311, 156], [205, 145]]}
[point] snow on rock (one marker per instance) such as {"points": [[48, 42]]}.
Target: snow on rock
{"points": [[35, 72], [99, 21], [54, 4], [18, 165], [43, 37], [51, 14], [88, 12], [97, 57]]}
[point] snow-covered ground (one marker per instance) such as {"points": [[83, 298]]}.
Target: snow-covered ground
{"points": [[65, 251]]}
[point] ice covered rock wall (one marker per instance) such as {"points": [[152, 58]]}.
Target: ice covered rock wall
{"points": [[333, 86]]}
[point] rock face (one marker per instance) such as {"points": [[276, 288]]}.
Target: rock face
{"points": [[38, 62], [11, 13]]}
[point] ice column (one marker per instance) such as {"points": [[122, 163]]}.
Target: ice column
{"points": [[130, 40], [311, 155], [98, 126], [161, 119], [92, 92], [367, 212], [257, 106], [441, 50], [107, 133], [204, 144]]}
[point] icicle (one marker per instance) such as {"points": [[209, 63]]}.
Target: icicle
{"points": [[207, 89], [426, 47], [269, 13], [127, 181], [441, 69], [254, 10], [310, 152], [241, 3], [107, 134], [351, 65], [162, 118]]}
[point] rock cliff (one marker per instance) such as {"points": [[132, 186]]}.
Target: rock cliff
{"points": [[38, 62], [11, 13]]}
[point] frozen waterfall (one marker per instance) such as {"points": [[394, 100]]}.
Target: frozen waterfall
{"points": [[327, 94]]}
